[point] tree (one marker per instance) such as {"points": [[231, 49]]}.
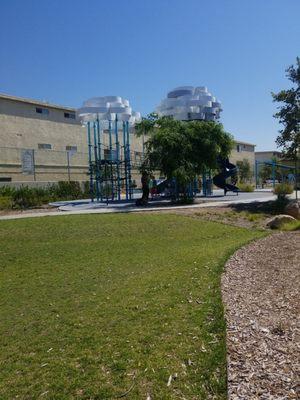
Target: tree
{"points": [[289, 113], [265, 173], [181, 149], [244, 170]]}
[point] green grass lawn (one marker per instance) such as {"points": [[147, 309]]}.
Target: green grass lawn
{"points": [[95, 306]]}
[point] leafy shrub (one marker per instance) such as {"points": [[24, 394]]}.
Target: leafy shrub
{"points": [[66, 190], [5, 202], [245, 187], [25, 197], [282, 189], [7, 191], [86, 189]]}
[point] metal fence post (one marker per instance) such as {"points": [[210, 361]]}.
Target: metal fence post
{"points": [[68, 166], [256, 174], [33, 159]]}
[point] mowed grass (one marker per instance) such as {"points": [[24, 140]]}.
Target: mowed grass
{"points": [[105, 306]]}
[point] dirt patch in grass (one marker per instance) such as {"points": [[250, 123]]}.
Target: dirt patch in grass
{"points": [[230, 215]]}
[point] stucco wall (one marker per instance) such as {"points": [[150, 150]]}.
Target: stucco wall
{"points": [[22, 128]]}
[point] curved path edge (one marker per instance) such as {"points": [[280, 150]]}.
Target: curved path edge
{"points": [[260, 291]]}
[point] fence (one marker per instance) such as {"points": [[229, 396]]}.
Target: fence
{"points": [[21, 165]]}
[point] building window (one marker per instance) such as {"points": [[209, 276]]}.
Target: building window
{"points": [[41, 110], [138, 155], [69, 115], [110, 156], [238, 148], [71, 148], [44, 146]]}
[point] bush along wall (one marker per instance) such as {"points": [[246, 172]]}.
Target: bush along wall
{"points": [[25, 197]]}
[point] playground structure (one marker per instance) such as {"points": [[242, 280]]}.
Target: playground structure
{"points": [[109, 121], [110, 166], [228, 170], [275, 170]]}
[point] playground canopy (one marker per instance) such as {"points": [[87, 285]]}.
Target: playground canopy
{"points": [[189, 103]]}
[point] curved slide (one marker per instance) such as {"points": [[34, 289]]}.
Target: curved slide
{"points": [[227, 170]]}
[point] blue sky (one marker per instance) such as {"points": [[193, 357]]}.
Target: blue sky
{"points": [[65, 51]]}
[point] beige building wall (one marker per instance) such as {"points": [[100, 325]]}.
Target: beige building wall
{"points": [[22, 127], [262, 156], [243, 151]]}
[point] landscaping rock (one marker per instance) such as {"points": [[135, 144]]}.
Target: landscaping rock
{"points": [[293, 209], [279, 220]]}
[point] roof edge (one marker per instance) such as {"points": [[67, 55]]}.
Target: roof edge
{"points": [[35, 102]]}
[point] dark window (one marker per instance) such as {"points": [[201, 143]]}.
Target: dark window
{"points": [[41, 110], [71, 148], [44, 146], [138, 155], [238, 148], [69, 115], [110, 156], [5, 179]]}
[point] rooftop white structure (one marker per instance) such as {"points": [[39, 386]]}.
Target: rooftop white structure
{"points": [[108, 108], [189, 103]]}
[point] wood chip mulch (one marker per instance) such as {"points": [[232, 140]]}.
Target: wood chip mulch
{"points": [[260, 288]]}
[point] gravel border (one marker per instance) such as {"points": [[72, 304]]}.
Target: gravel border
{"points": [[260, 289]]}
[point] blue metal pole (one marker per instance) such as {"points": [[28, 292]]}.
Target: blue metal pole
{"points": [[96, 160], [99, 157], [90, 161], [204, 184], [273, 173], [125, 160], [128, 160], [117, 158], [196, 189], [110, 159]]}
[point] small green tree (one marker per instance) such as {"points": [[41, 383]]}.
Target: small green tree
{"points": [[181, 149], [265, 173], [244, 170], [289, 113]]}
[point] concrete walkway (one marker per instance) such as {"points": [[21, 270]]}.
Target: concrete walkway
{"points": [[86, 207]]}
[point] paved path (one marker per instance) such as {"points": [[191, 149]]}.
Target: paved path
{"points": [[82, 207]]}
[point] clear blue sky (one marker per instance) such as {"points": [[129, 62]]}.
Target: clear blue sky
{"points": [[65, 51]]}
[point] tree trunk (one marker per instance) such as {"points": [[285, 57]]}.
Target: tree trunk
{"points": [[145, 188]]}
